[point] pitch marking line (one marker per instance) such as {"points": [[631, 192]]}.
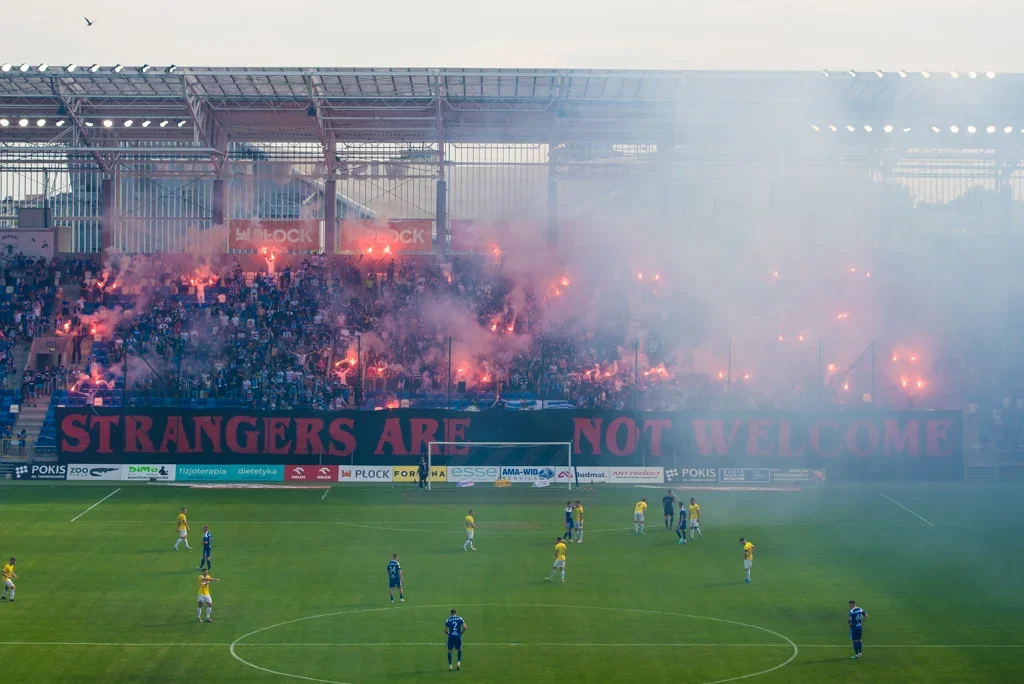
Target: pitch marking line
{"points": [[326, 492], [475, 644], [905, 508], [96, 504], [789, 642]]}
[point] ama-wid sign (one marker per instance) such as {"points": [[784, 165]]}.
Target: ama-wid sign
{"points": [[878, 444]]}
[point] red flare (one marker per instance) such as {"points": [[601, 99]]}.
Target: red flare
{"points": [[831, 368], [565, 282], [657, 276], [846, 385], [721, 375], [639, 276], [369, 250], [387, 249]]}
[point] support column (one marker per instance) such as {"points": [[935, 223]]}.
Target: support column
{"points": [[220, 201], [441, 247], [107, 213], [330, 216], [553, 219]]}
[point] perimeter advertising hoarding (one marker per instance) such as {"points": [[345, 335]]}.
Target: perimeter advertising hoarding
{"points": [[851, 445]]}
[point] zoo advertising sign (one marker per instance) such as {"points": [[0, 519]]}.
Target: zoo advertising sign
{"points": [[851, 445]]}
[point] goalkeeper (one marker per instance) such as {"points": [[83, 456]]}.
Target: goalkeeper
{"points": [[423, 471]]}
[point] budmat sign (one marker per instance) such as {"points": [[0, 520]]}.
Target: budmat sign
{"points": [[850, 445]]}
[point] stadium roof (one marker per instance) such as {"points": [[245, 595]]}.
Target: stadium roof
{"points": [[205, 108]]}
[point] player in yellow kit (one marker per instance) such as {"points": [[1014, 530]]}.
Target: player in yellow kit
{"points": [[695, 519], [470, 524], [204, 596], [638, 516], [559, 559], [748, 557], [7, 577], [183, 530], [577, 515]]}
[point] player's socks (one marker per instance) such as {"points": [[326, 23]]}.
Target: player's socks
{"points": [[199, 613], [563, 575], [458, 663], [177, 543], [449, 660], [642, 528], [11, 596], [636, 528]]}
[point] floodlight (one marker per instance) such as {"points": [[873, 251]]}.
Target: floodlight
{"points": [[815, 128], [90, 124], [23, 68], [990, 129], [23, 122], [954, 129], [853, 74], [972, 129], [879, 73], [182, 123], [107, 123], [128, 123], [907, 129], [902, 73], [71, 67], [990, 74], [60, 123], [118, 68], [40, 122], [145, 124], [4, 123], [5, 67], [42, 67], [1008, 129], [954, 74], [867, 128], [926, 74], [972, 74], [94, 68], [850, 128], [144, 68], [935, 129], [825, 72], [888, 128], [163, 123], [832, 127], [171, 69]]}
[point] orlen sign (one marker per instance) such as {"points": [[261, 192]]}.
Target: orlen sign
{"points": [[311, 473], [387, 237], [299, 235]]}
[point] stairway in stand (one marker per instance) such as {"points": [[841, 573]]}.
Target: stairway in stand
{"points": [[30, 419]]}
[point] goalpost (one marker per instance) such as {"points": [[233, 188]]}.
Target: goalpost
{"points": [[549, 462]]}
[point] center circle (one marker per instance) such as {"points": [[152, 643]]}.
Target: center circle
{"points": [[238, 642]]}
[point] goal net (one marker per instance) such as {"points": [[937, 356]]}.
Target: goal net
{"points": [[533, 463]]}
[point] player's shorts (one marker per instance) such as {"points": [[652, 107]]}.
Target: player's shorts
{"points": [[638, 517], [670, 511], [9, 584], [394, 582], [681, 525], [182, 533], [206, 552], [559, 563], [855, 633], [747, 563], [454, 642], [694, 524], [568, 524], [205, 599], [469, 534], [578, 524]]}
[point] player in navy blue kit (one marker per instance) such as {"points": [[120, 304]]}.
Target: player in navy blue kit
{"points": [[681, 527], [856, 621], [207, 545], [668, 508], [569, 508], [455, 627], [395, 579]]}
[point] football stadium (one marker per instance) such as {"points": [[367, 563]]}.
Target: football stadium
{"points": [[453, 335]]}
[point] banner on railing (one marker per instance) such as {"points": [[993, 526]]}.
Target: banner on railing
{"points": [[294, 235], [378, 239], [898, 444]]}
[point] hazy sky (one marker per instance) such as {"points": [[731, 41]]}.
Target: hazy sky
{"points": [[667, 34]]}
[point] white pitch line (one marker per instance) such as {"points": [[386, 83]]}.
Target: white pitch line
{"points": [[511, 644], [325, 493], [906, 509], [96, 504]]}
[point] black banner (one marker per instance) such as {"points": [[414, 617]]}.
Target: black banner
{"points": [[897, 444]]}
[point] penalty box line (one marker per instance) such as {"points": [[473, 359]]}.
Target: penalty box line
{"points": [[509, 644], [906, 509]]}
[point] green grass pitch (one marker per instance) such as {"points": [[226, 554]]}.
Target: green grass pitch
{"points": [[304, 594]]}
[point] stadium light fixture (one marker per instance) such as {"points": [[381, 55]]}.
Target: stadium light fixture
{"points": [[145, 124], [163, 123], [902, 73], [832, 127], [867, 128], [40, 122], [4, 123], [926, 74], [954, 74], [972, 129], [60, 123], [954, 129], [935, 129], [815, 127], [850, 128], [5, 67], [128, 123], [182, 123], [107, 123], [42, 67], [972, 74], [990, 129], [879, 73], [94, 68], [907, 129], [1008, 129], [144, 69], [71, 67], [23, 68], [171, 69], [23, 122], [888, 128], [89, 124], [825, 73], [118, 68], [990, 74], [853, 74]]}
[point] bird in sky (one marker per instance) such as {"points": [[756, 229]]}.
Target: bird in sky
{"points": [[87, 22]]}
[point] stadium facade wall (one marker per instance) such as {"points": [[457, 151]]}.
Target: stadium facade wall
{"points": [[919, 445]]}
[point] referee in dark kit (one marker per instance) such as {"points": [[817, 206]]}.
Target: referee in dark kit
{"points": [[423, 471]]}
